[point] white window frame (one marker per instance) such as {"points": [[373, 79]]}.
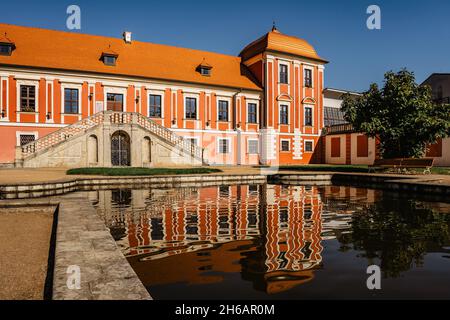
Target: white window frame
{"points": [[306, 67], [64, 86], [257, 146], [155, 93], [290, 147], [34, 83], [115, 90], [288, 104], [218, 145], [312, 115], [19, 133], [284, 63], [228, 100], [304, 145], [248, 101], [197, 113]]}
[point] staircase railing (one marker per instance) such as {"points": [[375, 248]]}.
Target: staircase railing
{"points": [[170, 136], [62, 134], [113, 118]]}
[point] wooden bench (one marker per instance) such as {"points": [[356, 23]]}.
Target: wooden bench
{"points": [[403, 163]]}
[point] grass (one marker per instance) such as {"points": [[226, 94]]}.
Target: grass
{"points": [[132, 171], [327, 167]]}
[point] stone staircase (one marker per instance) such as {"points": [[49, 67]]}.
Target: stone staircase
{"points": [[81, 127]]}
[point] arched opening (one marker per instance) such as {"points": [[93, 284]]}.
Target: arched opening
{"points": [[92, 150], [120, 149], [146, 150]]}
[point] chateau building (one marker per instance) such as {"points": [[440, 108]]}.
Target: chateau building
{"points": [[70, 99]]}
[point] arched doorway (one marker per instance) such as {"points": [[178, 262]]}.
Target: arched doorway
{"points": [[120, 149]]}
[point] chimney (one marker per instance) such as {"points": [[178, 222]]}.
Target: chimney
{"points": [[127, 36]]}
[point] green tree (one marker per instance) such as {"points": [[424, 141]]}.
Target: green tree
{"points": [[402, 115]]}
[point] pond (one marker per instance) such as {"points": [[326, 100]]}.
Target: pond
{"points": [[268, 241]]}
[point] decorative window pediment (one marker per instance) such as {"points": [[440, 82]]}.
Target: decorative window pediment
{"points": [[309, 100], [284, 97]]}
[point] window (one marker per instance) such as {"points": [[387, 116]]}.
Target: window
{"points": [[308, 146], [283, 73], [252, 146], [223, 110], [224, 146], [109, 60], [252, 113], [284, 116], [308, 78], [5, 49], [308, 116], [70, 100], [114, 102], [27, 98], [205, 71], [191, 108], [26, 138], [285, 145], [154, 106]]}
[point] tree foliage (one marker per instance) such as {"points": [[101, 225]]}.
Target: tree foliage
{"points": [[402, 115]]}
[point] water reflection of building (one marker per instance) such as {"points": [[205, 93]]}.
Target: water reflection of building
{"points": [[271, 234]]}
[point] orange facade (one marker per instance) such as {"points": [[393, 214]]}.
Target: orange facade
{"points": [[263, 107]]}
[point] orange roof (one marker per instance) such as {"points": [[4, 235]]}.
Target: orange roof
{"points": [[279, 42], [81, 52]]}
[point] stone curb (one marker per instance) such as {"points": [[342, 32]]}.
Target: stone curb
{"points": [[33, 190], [83, 240], [396, 183]]}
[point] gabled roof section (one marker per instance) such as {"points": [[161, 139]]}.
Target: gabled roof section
{"points": [[109, 52], [42, 48], [276, 41]]}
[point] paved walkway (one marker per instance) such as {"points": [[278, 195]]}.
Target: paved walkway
{"points": [[31, 175]]}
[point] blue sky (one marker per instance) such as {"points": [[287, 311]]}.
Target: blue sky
{"points": [[414, 34]]}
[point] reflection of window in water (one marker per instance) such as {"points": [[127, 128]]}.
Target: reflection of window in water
{"points": [[157, 229], [205, 268], [252, 218], [253, 188], [121, 196], [282, 260], [306, 250], [224, 225], [307, 213], [224, 190], [284, 217]]}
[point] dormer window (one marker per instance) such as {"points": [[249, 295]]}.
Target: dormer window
{"points": [[204, 68], [6, 48], [109, 60], [205, 71], [109, 57]]}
